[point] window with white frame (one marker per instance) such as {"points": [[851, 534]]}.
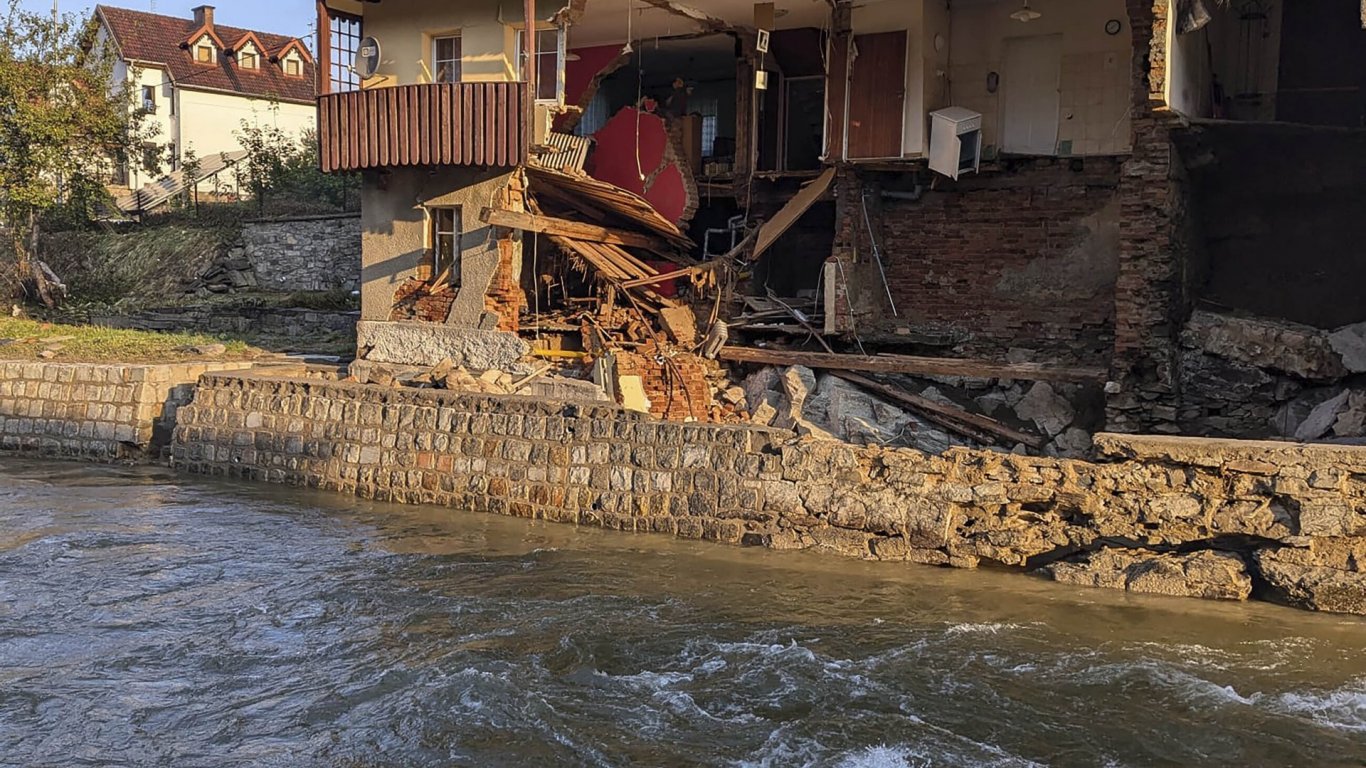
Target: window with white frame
{"points": [[446, 59], [204, 52], [549, 62], [293, 65], [249, 57], [445, 240], [709, 109]]}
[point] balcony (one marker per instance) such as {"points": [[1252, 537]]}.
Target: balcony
{"points": [[469, 124]]}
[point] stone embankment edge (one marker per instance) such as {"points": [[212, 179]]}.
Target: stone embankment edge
{"points": [[103, 412], [1167, 515]]}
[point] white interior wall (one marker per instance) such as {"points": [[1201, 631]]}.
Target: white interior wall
{"points": [[1095, 80]]}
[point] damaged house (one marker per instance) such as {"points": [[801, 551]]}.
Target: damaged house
{"points": [[939, 221]]}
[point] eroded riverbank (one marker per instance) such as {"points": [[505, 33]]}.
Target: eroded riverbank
{"points": [[148, 618]]}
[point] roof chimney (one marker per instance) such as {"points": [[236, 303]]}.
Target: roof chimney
{"points": [[203, 16]]}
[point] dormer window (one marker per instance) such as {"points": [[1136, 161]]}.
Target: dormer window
{"points": [[205, 52], [293, 66], [249, 58]]}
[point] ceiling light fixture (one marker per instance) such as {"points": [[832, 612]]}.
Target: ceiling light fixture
{"points": [[1026, 14]]}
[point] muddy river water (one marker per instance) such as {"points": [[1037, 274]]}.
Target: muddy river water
{"points": [[151, 619]]}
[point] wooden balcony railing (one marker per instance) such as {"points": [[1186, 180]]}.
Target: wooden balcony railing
{"points": [[479, 124]]}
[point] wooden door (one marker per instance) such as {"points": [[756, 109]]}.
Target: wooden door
{"points": [[1031, 103], [877, 95]]}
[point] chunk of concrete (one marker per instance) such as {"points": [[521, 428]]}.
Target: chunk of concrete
{"points": [[632, 391], [1278, 345], [1322, 418], [428, 344], [1350, 342], [1207, 574], [1046, 408], [1351, 421]]}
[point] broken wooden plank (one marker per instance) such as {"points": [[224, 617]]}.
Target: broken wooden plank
{"points": [[678, 273], [550, 225], [948, 416], [924, 366], [792, 211]]}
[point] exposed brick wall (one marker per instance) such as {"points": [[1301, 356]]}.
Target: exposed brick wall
{"points": [[677, 389], [414, 300], [1150, 293], [1021, 257], [505, 297]]}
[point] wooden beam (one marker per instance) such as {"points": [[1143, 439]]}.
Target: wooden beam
{"points": [[924, 366], [667, 276], [948, 416], [550, 225]]}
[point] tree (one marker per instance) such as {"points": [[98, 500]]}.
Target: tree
{"points": [[62, 121], [269, 151], [190, 167], [280, 165]]}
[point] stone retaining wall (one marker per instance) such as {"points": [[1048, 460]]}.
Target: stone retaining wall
{"points": [[1169, 515], [288, 322], [106, 412], [312, 253]]}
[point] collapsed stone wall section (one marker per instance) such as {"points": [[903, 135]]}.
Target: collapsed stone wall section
{"points": [[1186, 517]]}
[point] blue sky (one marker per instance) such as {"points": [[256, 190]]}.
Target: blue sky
{"points": [[286, 17]]}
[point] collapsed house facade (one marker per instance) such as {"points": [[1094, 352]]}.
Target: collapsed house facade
{"points": [[1062, 191]]}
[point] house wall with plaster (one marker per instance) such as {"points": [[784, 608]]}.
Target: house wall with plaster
{"points": [[396, 238], [210, 122], [487, 30]]}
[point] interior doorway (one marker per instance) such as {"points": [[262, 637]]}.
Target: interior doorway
{"points": [[1032, 81]]}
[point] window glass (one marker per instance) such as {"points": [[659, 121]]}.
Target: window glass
{"points": [[446, 59], [149, 98], [549, 62], [446, 243]]}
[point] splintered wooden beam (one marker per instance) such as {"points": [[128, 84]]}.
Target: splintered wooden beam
{"points": [[923, 366], [549, 225], [947, 416]]}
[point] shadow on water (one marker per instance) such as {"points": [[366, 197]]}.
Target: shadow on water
{"points": [[148, 618]]}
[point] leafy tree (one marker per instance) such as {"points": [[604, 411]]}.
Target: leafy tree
{"points": [[62, 121], [190, 166], [282, 166]]}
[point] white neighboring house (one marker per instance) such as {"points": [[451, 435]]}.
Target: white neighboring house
{"points": [[199, 81]]}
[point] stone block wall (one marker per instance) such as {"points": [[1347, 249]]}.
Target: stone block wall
{"points": [[314, 253], [107, 412], [1170, 515], [279, 321]]}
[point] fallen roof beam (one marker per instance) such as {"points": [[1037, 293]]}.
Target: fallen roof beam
{"points": [[667, 276], [923, 366], [947, 416], [549, 225]]}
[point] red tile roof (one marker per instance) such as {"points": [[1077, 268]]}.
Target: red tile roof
{"points": [[154, 39]]}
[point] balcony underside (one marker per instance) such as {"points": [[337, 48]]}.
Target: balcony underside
{"points": [[457, 124]]}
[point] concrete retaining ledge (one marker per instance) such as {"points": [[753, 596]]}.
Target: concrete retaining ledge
{"points": [[1207, 518], [92, 411]]}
